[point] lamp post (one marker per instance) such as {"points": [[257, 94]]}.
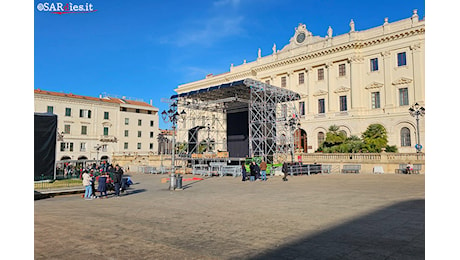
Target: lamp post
{"points": [[172, 116], [417, 111], [97, 147], [293, 124]]}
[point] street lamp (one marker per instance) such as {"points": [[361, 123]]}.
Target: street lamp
{"points": [[293, 124], [417, 111], [98, 148], [173, 116]]}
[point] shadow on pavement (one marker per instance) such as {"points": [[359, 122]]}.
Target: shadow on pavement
{"points": [[394, 232], [190, 184]]}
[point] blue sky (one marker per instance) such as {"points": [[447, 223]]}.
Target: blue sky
{"points": [[145, 49]]}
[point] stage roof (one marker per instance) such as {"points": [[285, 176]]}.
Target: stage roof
{"points": [[241, 89]]}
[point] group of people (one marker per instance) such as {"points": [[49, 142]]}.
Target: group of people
{"points": [[105, 182], [256, 172]]}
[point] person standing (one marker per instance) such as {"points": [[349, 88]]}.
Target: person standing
{"points": [[118, 175], [243, 172], [102, 185], [252, 171], [87, 183], [284, 169], [263, 171]]}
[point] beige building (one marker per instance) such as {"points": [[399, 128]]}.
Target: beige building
{"points": [[99, 128], [350, 80]]}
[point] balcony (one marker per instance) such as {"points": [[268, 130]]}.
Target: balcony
{"points": [[108, 139]]}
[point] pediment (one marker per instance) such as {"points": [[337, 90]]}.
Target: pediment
{"points": [[374, 85], [341, 90], [402, 81], [320, 93]]}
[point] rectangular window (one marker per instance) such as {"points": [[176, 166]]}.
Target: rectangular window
{"points": [[403, 97], [375, 99], [321, 74], [302, 108], [126, 121], [342, 71], [151, 134], [321, 106], [402, 59], [66, 129], [82, 147], [84, 130], [151, 146], [66, 147], [106, 131], [301, 78], [49, 109], [139, 133], [104, 148], [375, 64], [139, 122], [139, 146], [85, 113], [126, 133], [152, 123], [106, 115], [283, 82], [138, 110], [68, 111], [125, 146], [343, 103]]}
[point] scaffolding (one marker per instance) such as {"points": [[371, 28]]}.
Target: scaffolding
{"points": [[203, 133]]}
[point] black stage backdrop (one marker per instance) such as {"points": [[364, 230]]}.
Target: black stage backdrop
{"points": [[45, 126], [238, 134]]}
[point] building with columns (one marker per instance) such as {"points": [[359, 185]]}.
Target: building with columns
{"points": [[350, 80], [99, 128]]}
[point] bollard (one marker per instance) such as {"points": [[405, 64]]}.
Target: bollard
{"points": [[179, 182]]}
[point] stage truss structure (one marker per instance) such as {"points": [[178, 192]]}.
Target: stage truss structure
{"points": [[204, 130]]}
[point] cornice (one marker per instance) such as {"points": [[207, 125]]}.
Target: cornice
{"points": [[374, 85], [402, 81], [341, 90], [320, 93]]}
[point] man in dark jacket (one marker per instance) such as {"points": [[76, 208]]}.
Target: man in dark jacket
{"points": [[285, 171], [118, 175]]}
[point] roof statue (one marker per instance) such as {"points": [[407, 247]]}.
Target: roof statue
{"points": [[352, 26]]}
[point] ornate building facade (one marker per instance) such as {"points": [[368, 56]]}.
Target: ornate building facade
{"points": [[99, 128], [350, 80]]}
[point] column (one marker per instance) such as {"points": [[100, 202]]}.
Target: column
{"points": [[389, 90]]}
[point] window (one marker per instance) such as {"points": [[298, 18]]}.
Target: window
{"points": [[49, 109], [126, 133], [106, 115], [403, 97], [124, 109], [125, 146], [405, 137], [82, 147], [321, 107], [151, 146], [151, 134], [149, 112], [343, 103], [283, 81], [139, 122], [375, 99], [321, 74], [139, 133], [106, 131], [126, 121], [138, 110], [342, 71], [375, 64], [68, 111], [139, 146], [84, 130], [320, 138], [66, 147], [401, 59], [302, 108], [85, 113], [104, 148], [152, 123], [301, 78], [66, 129]]}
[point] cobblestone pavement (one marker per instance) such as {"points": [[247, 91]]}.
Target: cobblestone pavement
{"points": [[337, 216]]}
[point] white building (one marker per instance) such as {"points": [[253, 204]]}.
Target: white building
{"points": [[350, 80], [98, 128]]}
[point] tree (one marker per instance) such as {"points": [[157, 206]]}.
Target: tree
{"points": [[334, 137], [375, 138]]}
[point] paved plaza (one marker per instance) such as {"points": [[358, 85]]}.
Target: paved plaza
{"points": [[336, 216]]}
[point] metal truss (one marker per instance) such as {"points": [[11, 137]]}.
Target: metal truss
{"points": [[269, 108]]}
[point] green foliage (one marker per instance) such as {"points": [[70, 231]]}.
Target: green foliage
{"points": [[371, 141]]}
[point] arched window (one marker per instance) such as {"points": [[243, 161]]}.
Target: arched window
{"points": [[320, 138], [405, 137]]}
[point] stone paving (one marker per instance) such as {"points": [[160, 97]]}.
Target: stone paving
{"points": [[336, 216]]}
